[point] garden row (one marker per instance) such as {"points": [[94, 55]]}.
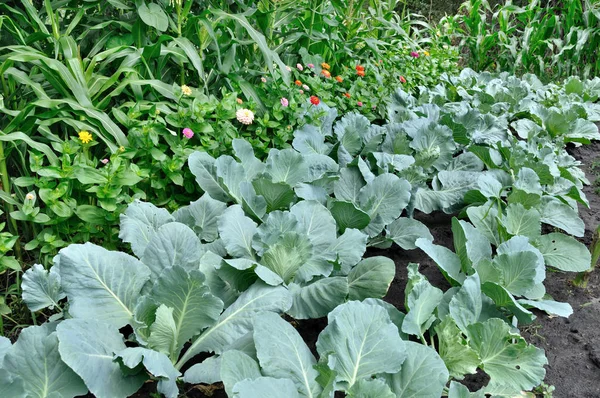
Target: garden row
{"points": [[287, 235]]}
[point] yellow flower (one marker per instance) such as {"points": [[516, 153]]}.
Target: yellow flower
{"points": [[122, 149], [186, 90], [85, 136], [426, 53]]}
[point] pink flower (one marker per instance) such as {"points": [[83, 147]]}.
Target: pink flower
{"points": [[301, 91], [188, 133], [305, 87], [288, 68], [359, 103], [414, 54], [284, 102], [311, 66], [104, 161], [300, 67], [263, 79]]}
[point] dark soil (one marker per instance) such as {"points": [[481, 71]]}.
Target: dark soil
{"points": [[572, 345]]}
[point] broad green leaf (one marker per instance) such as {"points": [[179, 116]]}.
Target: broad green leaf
{"points": [[448, 261], [521, 244], [205, 212], [245, 153], [371, 278], [253, 204], [432, 142], [448, 190], [235, 366], [421, 301], [386, 197], [460, 359], [5, 345], [230, 174], [309, 140], [265, 387], [209, 370], [236, 320], [11, 386], [35, 360], [140, 222], [470, 244], [520, 221], [503, 298], [489, 186], [549, 306], [173, 244], [316, 222], [153, 15], [528, 181], [101, 284], [202, 165], [564, 252], [194, 307], [458, 390], [517, 365], [88, 347], [283, 354], [350, 248], [405, 232], [279, 196], [347, 215], [485, 219], [41, 289], [560, 215], [163, 332], [349, 185], [370, 388], [318, 298], [287, 255], [286, 166], [517, 271], [237, 232], [423, 373], [363, 340], [465, 306], [157, 364]]}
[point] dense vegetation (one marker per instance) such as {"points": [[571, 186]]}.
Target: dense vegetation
{"points": [[177, 175]]}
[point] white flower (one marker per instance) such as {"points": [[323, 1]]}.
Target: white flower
{"points": [[244, 116], [30, 196]]}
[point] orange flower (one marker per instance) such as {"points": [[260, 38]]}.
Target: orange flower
{"points": [[360, 68], [326, 73], [347, 95], [298, 83], [360, 73], [339, 79], [315, 100], [325, 65]]}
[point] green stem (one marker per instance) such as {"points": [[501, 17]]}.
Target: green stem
{"points": [[12, 223]]}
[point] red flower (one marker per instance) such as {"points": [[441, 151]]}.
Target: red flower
{"points": [[402, 79], [314, 100], [360, 68], [347, 95]]}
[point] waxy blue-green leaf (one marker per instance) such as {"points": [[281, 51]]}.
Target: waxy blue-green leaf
{"points": [[316, 222], [41, 289], [140, 222], [237, 232], [209, 370], [88, 347], [549, 306], [287, 255], [421, 301], [283, 354], [349, 185], [564, 252], [265, 387], [230, 175], [100, 284], [286, 166], [347, 215], [423, 373], [236, 320], [154, 16], [202, 165], [386, 196], [235, 366], [205, 212], [520, 221], [465, 306], [363, 340], [517, 271], [308, 140], [405, 232], [349, 248], [157, 364], [460, 359], [245, 153], [517, 365], [448, 190], [371, 277], [485, 219], [35, 361], [173, 244], [503, 298], [370, 388], [447, 260], [318, 298], [558, 214]]}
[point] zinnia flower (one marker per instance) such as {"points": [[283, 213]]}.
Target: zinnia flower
{"points": [[263, 79], [311, 66], [284, 102], [360, 73], [30, 196], [359, 103], [414, 54], [186, 90], [305, 87], [326, 73], [85, 136], [426, 53], [288, 68], [347, 95], [298, 83], [244, 116], [360, 68], [314, 100], [239, 101], [402, 79], [339, 79], [188, 133], [301, 91], [104, 161], [300, 67], [325, 65]]}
